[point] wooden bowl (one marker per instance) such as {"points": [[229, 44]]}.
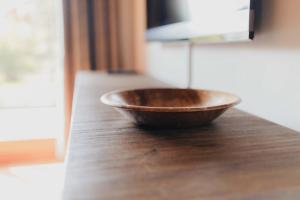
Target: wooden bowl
{"points": [[170, 107]]}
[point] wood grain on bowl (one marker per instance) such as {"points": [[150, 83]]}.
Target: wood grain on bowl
{"points": [[170, 107]]}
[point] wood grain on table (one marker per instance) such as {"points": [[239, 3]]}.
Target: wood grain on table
{"points": [[238, 157]]}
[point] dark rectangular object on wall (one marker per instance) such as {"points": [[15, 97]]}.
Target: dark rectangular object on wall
{"points": [[200, 20]]}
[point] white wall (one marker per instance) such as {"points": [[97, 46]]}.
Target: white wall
{"points": [[265, 73]]}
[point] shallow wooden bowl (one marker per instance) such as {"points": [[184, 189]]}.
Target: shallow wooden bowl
{"points": [[170, 107]]}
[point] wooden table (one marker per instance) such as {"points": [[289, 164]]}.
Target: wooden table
{"points": [[239, 156]]}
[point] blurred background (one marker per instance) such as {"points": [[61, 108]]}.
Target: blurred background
{"points": [[31, 99], [43, 44]]}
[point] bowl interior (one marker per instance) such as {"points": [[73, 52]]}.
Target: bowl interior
{"points": [[169, 98]]}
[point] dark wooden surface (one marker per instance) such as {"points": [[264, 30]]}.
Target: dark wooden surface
{"points": [[239, 156]]}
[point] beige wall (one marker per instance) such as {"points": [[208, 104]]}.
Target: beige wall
{"points": [[264, 72]]}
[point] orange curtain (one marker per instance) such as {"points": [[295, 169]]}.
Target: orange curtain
{"points": [[105, 35]]}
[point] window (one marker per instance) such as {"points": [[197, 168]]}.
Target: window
{"points": [[31, 79]]}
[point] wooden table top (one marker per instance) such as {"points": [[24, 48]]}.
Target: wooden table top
{"points": [[239, 156]]}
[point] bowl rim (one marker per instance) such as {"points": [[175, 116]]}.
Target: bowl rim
{"points": [[104, 99]]}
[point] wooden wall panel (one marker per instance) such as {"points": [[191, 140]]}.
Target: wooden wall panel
{"points": [[119, 34], [117, 42], [101, 34], [139, 46]]}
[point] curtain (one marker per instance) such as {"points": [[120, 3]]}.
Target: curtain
{"points": [[105, 35]]}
